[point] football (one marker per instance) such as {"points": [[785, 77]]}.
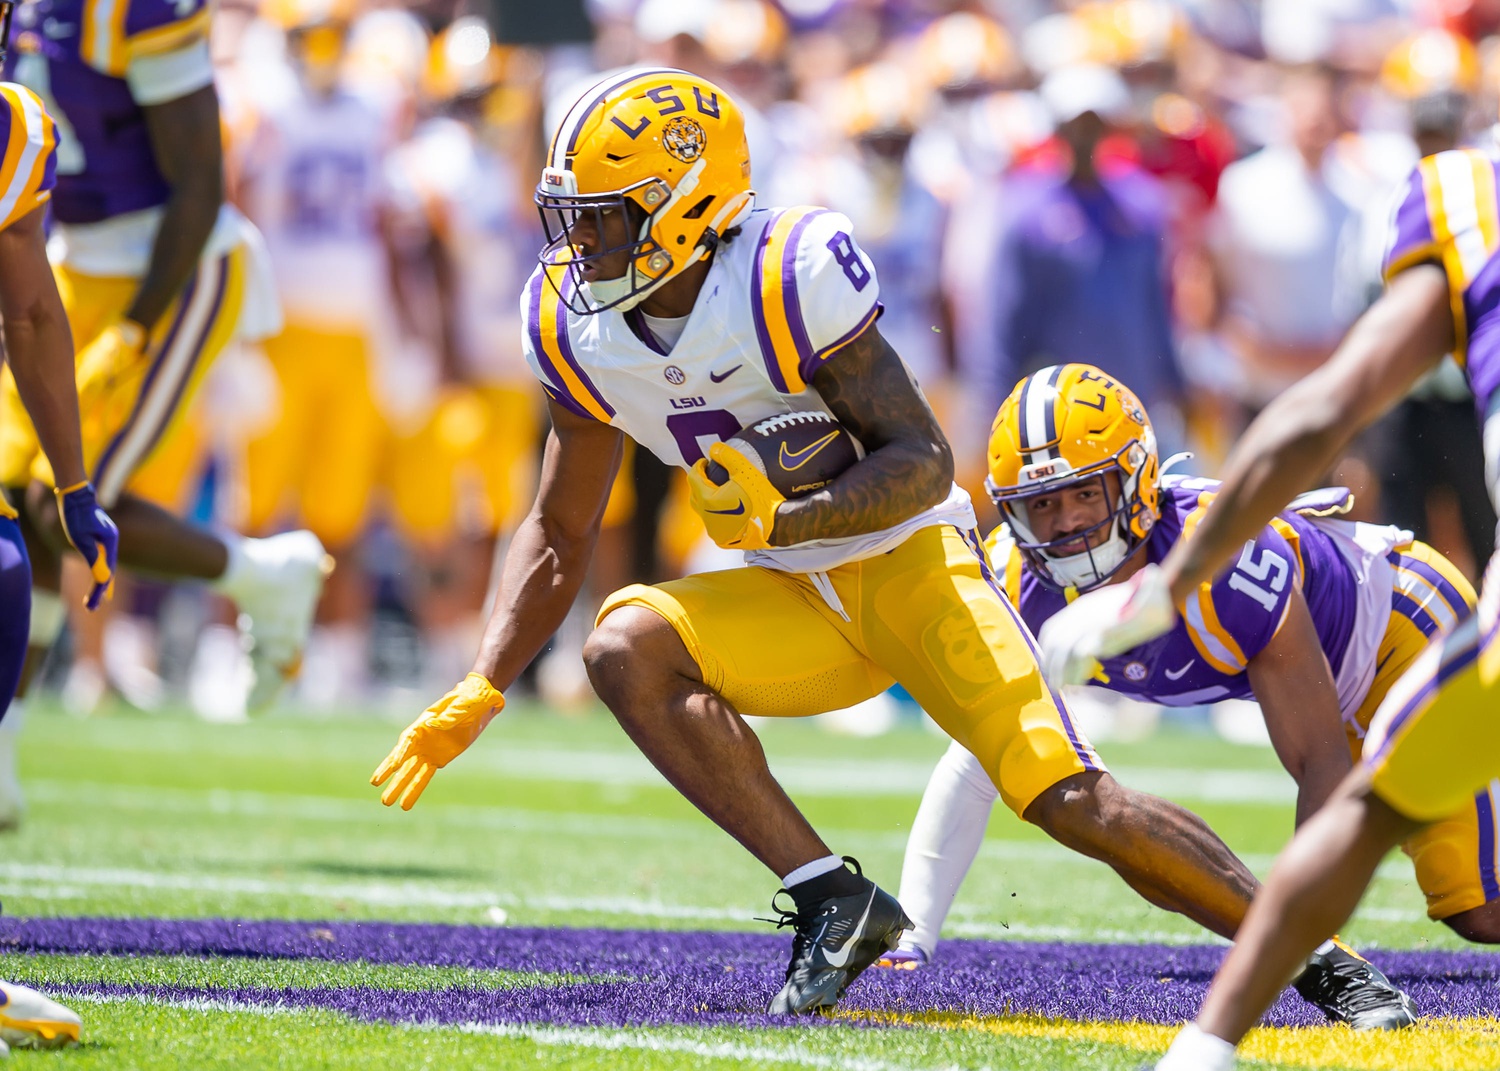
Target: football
{"points": [[798, 452]]}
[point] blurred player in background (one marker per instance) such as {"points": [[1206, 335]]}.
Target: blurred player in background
{"points": [[1317, 623], [466, 472], [39, 353], [1436, 738], [311, 176], [155, 274]]}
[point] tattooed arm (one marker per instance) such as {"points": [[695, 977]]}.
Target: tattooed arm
{"points": [[908, 465]]}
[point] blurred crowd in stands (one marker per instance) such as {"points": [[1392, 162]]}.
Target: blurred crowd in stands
{"points": [[1193, 195]]}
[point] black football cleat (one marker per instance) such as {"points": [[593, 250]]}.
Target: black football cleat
{"points": [[833, 942], [1348, 988]]}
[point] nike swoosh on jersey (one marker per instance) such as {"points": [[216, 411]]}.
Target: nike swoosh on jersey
{"points": [[720, 378], [792, 460], [1177, 675], [738, 509], [841, 957]]}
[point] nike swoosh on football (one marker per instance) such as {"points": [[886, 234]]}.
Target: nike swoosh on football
{"points": [[720, 378], [738, 509], [791, 460], [841, 957], [1171, 676]]}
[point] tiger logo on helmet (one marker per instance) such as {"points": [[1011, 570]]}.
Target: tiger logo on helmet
{"points": [[664, 147], [1063, 427]]}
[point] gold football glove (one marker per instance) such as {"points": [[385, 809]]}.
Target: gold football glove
{"points": [[435, 739], [740, 512]]}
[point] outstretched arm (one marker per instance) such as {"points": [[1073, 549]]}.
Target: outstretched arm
{"points": [[1300, 434], [1295, 688], [550, 552], [908, 465], [543, 572]]}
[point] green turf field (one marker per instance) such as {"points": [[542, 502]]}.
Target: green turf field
{"points": [[550, 823]]}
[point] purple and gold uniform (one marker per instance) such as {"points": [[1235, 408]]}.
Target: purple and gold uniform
{"points": [[1438, 733], [28, 173], [98, 64], [1375, 597]]}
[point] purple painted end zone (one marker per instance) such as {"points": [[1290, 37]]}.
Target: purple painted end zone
{"points": [[707, 978]]}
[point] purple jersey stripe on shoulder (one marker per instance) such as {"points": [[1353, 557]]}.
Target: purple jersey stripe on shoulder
{"points": [[565, 346], [758, 306], [1484, 803], [789, 296], [1085, 754]]}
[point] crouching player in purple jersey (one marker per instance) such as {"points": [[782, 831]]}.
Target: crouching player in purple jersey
{"points": [[1435, 740], [1317, 620], [39, 349], [670, 309]]}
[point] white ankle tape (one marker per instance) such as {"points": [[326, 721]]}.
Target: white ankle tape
{"points": [[816, 869], [47, 616]]}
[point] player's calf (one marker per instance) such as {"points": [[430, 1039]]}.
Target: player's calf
{"points": [[1480, 925]]}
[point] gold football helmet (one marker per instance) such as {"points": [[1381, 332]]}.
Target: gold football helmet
{"points": [[1061, 427], [665, 147], [1428, 62]]}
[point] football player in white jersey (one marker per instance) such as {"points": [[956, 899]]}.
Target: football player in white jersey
{"points": [[668, 309]]}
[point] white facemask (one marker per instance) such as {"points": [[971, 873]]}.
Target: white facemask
{"points": [[1081, 570], [603, 291]]}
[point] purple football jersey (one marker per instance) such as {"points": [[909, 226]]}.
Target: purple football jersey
{"points": [[1447, 215], [1226, 624], [73, 54]]}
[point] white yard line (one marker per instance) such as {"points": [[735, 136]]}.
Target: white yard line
{"points": [[610, 1040], [640, 1040]]}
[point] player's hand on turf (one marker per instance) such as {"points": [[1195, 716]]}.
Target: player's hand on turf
{"points": [[740, 512], [93, 535], [435, 739], [1105, 623]]}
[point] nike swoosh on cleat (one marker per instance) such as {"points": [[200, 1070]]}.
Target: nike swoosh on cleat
{"points": [[1176, 676], [841, 958], [730, 512], [791, 460], [720, 378]]}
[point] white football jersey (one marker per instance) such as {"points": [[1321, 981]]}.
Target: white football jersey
{"points": [[781, 298], [314, 184]]}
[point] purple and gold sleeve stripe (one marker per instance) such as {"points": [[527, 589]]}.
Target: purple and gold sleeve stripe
{"points": [[170, 37], [810, 366], [1211, 639], [547, 322], [114, 32], [1462, 213], [776, 306], [1410, 239], [29, 170]]}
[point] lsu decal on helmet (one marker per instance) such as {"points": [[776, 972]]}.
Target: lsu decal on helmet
{"points": [[667, 150], [1061, 427]]}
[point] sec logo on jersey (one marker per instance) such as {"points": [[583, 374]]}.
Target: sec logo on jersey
{"points": [[675, 376]]}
